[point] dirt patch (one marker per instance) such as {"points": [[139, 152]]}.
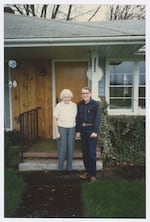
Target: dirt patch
{"points": [[50, 195], [126, 172]]}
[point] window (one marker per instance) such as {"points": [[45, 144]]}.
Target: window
{"points": [[141, 95], [121, 85], [126, 86]]}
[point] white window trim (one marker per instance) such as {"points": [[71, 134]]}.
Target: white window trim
{"points": [[133, 111]]}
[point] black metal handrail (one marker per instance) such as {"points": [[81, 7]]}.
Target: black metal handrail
{"points": [[28, 128]]}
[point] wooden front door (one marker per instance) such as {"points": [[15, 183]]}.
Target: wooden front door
{"points": [[71, 75]]}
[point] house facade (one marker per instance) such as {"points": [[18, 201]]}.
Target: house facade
{"points": [[42, 57]]}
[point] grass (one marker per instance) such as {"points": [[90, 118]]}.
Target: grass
{"points": [[14, 187], [114, 198]]}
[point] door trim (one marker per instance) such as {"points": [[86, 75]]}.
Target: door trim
{"points": [[7, 72]]}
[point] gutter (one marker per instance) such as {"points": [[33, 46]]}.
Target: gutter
{"points": [[85, 41]]}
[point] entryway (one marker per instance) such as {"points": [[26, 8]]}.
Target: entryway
{"points": [[72, 75]]}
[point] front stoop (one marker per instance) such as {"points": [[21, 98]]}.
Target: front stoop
{"points": [[51, 164]]}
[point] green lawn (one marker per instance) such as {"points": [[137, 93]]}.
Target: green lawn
{"points": [[14, 187], [114, 198]]}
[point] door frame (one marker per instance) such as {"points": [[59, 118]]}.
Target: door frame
{"points": [[54, 61], [8, 110]]}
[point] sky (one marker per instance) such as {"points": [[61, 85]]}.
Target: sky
{"points": [[101, 15]]}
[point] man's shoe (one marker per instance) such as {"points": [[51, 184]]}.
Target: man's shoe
{"points": [[84, 175], [92, 179]]}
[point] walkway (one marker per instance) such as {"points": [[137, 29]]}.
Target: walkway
{"points": [[50, 196]]}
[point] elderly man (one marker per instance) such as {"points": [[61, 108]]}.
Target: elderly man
{"points": [[87, 127]]}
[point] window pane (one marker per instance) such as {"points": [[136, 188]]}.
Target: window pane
{"points": [[142, 79], [142, 66], [120, 91], [120, 103], [121, 79], [123, 67], [141, 91], [142, 103], [121, 82]]}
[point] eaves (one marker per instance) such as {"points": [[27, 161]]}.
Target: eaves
{"points": [[82, 41]]}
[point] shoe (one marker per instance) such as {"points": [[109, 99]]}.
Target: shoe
{"points": [[84, 175], [92, 179]]}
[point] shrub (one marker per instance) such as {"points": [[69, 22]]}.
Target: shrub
{"points": [[128, 142], [11, 148], [122, 138]]}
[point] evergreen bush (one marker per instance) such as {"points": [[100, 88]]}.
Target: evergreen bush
{"points": [[122, 138]]}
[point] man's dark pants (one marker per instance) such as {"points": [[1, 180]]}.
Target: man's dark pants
{"points": [[89, 150]]}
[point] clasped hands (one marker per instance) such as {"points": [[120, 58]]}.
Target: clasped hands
{"points": [[93, 135], [78, 136]]}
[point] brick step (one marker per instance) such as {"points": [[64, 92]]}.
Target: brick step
{"points": [[53, 155]]}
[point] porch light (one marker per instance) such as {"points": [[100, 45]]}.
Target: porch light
{"points": [[12, 64]]}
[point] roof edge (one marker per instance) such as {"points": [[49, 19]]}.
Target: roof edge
{"points": [[84, 41]]}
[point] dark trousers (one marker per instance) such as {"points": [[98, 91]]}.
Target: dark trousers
{"points": [[89, 150]]}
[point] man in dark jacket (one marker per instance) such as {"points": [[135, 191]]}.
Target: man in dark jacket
{"points": [[87, 127]]}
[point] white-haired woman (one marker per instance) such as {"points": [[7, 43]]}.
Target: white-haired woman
{"points": [[64, 122]]}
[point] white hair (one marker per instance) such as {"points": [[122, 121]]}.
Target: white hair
{"points": [[66, 92]]}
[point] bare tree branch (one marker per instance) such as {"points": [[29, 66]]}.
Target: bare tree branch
{"points": [[120, 12], [18, 9], [55, 11], [27, 9], [69, 12], [32, 10], [94, 13], [74, 12], [43, 12]]}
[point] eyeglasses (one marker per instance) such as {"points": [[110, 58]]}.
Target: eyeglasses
{"points": [[85, 93]]}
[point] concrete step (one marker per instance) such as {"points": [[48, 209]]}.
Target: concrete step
{"points": [[51, 164]]}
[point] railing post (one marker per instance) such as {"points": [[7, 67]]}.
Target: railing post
{"points": [[20, 119], [28, 129], [37, 123]]}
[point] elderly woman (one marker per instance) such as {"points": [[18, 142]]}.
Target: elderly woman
{"points": [[64, 122]]}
